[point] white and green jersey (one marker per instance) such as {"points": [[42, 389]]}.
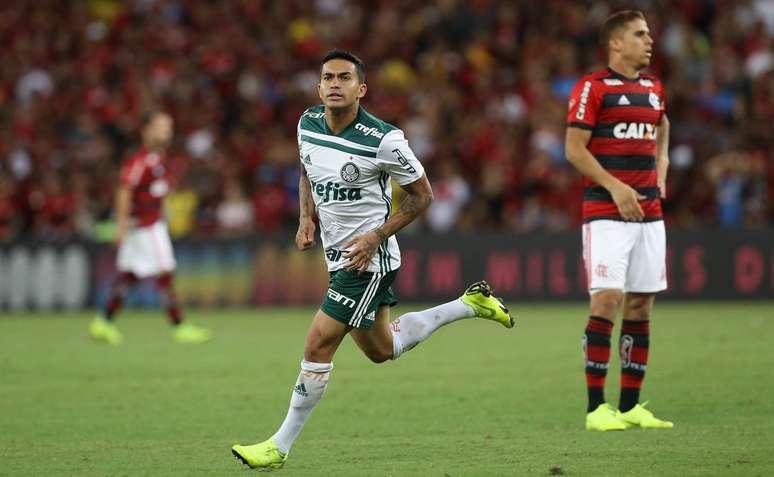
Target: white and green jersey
{"points": [[350, 177]]}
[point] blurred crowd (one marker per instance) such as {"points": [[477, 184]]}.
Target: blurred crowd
{"points": [[479, 86]]}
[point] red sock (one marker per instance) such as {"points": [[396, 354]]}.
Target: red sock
{"points": [[596, 349], [118, 292], [635, 338], [168, 298]]}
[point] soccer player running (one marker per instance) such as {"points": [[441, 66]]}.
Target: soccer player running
{"points": [[347, 159], [144, 247], [617, 137]]}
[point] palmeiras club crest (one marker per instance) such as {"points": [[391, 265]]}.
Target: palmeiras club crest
{"points": [[350, 172]]}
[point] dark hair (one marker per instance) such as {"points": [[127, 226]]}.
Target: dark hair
{"points": [[345, 55], [147, 116], [616, 21]]}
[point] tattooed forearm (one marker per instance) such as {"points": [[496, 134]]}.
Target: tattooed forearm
{"points": [[380, 233], [418, 198], [413, 205]]}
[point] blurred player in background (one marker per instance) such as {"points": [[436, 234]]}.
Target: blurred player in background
{"points": [[348, 157], [144, 246], [618, 137]]}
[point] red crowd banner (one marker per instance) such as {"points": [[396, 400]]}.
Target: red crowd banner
{"points": [[703, 264]]}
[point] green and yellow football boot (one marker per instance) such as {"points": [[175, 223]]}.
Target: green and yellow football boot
{"points": [[190, 334], [103, 330], [264, 455], [638, 416], [479, 297], [604, 418]]}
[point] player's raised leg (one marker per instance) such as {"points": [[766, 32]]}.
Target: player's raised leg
{"points": [[477, 301], [322, 341], [102, 327], [389, 340], [633, 347]]}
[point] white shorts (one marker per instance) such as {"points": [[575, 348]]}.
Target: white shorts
{"points": [[146, 251], [628, 256]]}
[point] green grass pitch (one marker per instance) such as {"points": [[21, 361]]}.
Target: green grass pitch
{"points": [[474, 400]]}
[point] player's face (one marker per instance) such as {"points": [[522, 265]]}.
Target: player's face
{"points": [[159, 130], [635, 43], [339, 85]]}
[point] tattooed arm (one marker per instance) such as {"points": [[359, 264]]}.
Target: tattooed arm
{"points": [[305, 235], [419, 194]]}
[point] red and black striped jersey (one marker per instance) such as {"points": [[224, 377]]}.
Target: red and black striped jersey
{"points": [[623, 115], [146, 175]]}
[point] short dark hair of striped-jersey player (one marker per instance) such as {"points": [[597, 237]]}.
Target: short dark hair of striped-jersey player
{"points": [[148, 116], [616, 21], [351, 57]]}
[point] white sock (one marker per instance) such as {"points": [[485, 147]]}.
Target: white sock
{"points": [[307, 392], [412, 328]]}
